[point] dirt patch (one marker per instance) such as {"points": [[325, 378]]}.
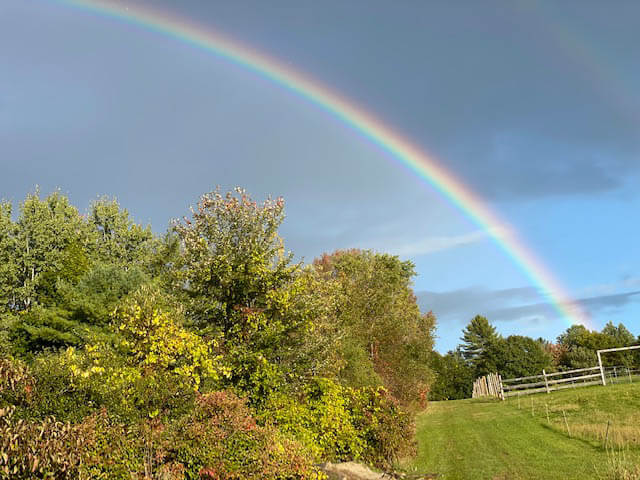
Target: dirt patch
{"points": [[357, 471]]}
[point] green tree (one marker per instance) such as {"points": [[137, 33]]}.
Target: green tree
{"points": [[454, 376], [242, 289], [42, 328], [8, 261], [117, 239], [581, 345], [46, 230], [522, 356], [480, 345], [93, 298], [72, 265], [386, 338], [619, 336]]}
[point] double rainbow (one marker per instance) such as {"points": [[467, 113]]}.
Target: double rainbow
{"points": [[399, 149]]}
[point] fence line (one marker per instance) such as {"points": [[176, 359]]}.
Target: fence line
{"points": [[549, 382], [493, 385]]}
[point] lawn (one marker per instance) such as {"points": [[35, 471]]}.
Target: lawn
{"points": [[471, 439]]}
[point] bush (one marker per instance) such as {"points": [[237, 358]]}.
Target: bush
{"points": [[38, 450], [387, 430], [75, 383], [220, 440], [338, 423], [318, 417], [16, 382], [43, 328]]}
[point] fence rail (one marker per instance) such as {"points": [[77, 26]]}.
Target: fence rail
{"points": [[549, 382], [494, 385]]}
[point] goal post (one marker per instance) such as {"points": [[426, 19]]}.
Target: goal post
{"points": [[607, 350]]}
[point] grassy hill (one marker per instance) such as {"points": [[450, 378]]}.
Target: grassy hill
{"points": [[528, 438]]}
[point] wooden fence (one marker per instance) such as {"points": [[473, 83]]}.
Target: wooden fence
{"points": [[493, 385], [489, 386], [549, 382]]}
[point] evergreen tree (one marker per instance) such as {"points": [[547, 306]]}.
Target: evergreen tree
{"points": [[480, 345]]}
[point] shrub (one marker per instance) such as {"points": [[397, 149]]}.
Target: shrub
{"points": [[38, 450], [319, 418], [340, 423], [75, 383], [16, 382], [221, 441], [387, 430], [156, 341]]}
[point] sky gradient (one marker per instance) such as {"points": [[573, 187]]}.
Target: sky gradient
{"points": [[534, 107]]}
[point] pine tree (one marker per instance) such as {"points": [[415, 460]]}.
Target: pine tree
{"points": [[480, 342]]}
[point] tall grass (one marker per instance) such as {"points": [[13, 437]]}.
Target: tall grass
{"points": [[619, 466], [608, 417]]}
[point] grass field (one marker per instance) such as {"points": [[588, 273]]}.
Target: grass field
{"points": [[516, 439]]}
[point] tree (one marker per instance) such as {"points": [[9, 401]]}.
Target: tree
{"points": [[8, 263], [45, 231], [454, 376], [93, 298], [522, 356], [619, 336], [581, 345], [479, 345], [386, 338], [117, 238], [242, 289], [232, 257]]}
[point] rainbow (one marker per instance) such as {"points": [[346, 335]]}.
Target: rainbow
{"points": [[399, 149]]}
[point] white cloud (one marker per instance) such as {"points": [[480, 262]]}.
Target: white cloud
{"points": [[433, 244]]}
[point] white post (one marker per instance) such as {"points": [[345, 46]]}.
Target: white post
{"points": [[546, 382], [604, 381]]}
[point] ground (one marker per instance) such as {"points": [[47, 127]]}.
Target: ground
{"points": [[527, 438]]}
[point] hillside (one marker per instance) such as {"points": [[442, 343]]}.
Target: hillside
{"points": [[470, 439]]}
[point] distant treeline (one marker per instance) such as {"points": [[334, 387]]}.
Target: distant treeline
{"points": [[206, 352], [484, 351]]}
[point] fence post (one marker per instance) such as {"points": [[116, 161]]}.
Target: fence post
{"points": [[604, 381], [502, 387], [546, 382]]}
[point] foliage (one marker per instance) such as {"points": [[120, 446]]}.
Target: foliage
{"points": [[44, 239], [38, 450], [96, 294], [580, 346], [320, 418], [157, 343], [117, 239], [43, 328], [479, 345], [221, 440], [340, 423], [73, 264], [387, 430], [520, 356], [127, 340], [155, 367], [454, 376], [233, 259], [16, 382], [384, 335], [8, 265], [242, 290]]}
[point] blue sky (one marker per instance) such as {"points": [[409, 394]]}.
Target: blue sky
{"points": [[534, 105]]}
